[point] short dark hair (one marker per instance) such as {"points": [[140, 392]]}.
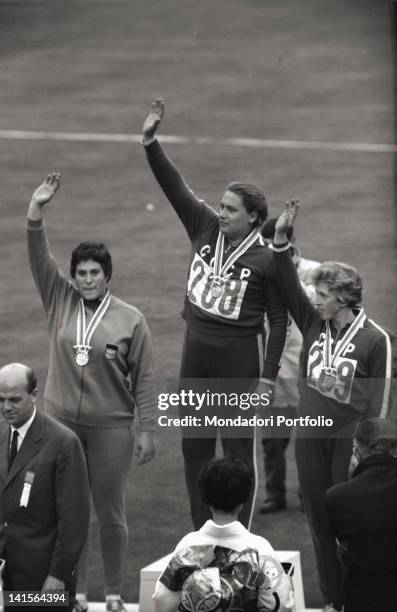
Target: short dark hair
{"points": [[225, 483], [343, 281], [31, 380], [253, 199], [376, 435], [97, 251], [267, 230]]}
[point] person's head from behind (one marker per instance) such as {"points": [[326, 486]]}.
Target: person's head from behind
{"points": [[338, 286], [375, 436], [91, 269], [225, 485], [243, 207]]}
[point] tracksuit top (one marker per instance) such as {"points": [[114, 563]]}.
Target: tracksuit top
{"points": [[364, 368], [251, 288], [286, 392], [119, 375]]}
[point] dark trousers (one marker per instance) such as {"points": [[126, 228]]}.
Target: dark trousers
{"points": [[321, 463], [230, 367], [275, 468], [275, 442]]}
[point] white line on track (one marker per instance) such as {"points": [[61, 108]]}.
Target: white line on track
{"points": [[316, 145]]}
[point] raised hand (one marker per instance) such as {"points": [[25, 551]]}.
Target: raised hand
{"points": [[286, 219], [152, 121], [47, 189]]}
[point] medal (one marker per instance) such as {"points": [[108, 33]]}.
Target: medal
{"points": [[217, 288], [328, 378], [83, 333], [82, 357], [219, 275]]}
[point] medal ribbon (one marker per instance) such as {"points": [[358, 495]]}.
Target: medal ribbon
{"points": [[219, 270], [83, 334], [329, 358]]}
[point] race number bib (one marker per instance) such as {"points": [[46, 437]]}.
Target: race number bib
{"points": [[345, 370], [228, 305]]}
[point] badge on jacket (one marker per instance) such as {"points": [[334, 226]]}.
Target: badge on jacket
{"points": [[111, 351], [27, 485]]}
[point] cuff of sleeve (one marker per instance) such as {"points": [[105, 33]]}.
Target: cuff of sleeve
{"points": [[270, 371], [280, 248], [147, 427], [147, 143], [32, 225], [268, 381]]}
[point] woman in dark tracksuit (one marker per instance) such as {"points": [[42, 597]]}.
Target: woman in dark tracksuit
{"points": [[347, 375], [230, 286]]}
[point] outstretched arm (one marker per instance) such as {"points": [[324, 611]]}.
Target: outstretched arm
{"points": [[190, 209], [52, 285], [294, 297]]}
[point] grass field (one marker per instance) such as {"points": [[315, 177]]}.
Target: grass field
{"points": [[312, 70]]}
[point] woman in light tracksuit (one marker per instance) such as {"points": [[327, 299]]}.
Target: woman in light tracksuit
{"points": [[100, 374]]}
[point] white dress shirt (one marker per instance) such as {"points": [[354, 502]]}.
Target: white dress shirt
{"points": [[23, 430]]}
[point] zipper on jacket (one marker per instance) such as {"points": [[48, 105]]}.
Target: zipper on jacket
{"points": [[81, 393]]}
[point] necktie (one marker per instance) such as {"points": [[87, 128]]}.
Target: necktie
{"points": [[13, 449]]}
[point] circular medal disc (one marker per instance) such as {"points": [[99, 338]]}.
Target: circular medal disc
{"points": [[328, 380], [217, 291], [82, 359]]}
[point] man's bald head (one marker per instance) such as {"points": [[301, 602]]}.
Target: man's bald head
{"points": [[16, 373], [18, 387]]}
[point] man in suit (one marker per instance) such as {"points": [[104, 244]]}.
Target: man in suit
{"points": [[363, 513], [44, 495]]}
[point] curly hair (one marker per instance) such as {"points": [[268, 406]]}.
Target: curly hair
{"points": [[343, 281], [97, 251], [254, 200]]}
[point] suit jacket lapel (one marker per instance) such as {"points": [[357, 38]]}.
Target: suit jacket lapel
{"points": [[29, 447], [4, 448]]}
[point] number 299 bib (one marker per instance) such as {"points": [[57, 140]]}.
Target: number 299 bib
{"points": [[337, 386]]}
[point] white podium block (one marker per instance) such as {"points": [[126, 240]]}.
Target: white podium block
{"points": [[150, 573]]}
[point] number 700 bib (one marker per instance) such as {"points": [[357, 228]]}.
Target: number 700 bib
{"points": [[228, 305]]}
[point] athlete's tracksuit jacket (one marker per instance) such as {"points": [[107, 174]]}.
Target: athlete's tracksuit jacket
{"points": [[119, 375], [362, 390], [240, 311], [224, 333]]}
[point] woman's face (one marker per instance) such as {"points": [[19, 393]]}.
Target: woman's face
{"points": [[327, 303], [90, 280]]}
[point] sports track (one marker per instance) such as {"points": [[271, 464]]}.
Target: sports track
{"points": [[243, 81]]}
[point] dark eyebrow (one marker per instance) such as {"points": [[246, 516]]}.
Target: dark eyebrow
{"points": [[10, 399]]}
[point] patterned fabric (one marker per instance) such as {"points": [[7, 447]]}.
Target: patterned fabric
{"points": [[214, 578]]}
